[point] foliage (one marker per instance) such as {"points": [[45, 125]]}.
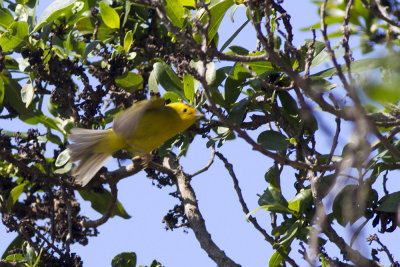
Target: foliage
{"points": [[82, 62]]}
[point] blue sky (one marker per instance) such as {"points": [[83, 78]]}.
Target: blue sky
{"points": [[144, 233]]}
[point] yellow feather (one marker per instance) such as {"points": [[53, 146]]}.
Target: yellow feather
{"points": [[141, 128]]}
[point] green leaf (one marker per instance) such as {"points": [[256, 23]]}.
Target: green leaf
{"points": [[233, 88], [188, 87], [128, 41], [86, 25], [272, 196], [260, 67], [351, 203], [321, 84], [290, 234], [100, 200], [12, 95], [239, 110], [18, 257], [109, 16], [217, 13], [36, 118], [129, 81], [124, 259], [272, 208], [15, 194], [272, 176], [390, 203], [385, 93], [356, 67], [272, 140], [155, 263], [275, 259], [27, 93], [29, 253], [62, 158], [175, 12], [168, 79], [55, 10], [239, 50], [301, 201], [16, 243], [89, 49], [6, 18], [289, 105], [171, 96], [230, 39], [14, 36]]}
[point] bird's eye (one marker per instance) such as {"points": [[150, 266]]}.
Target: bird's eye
{"points": [[184, 110]]}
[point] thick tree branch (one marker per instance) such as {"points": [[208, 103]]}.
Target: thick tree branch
{"points": [[192, 212]]}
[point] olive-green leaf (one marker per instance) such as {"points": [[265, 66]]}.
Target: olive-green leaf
{"points": [[272, 140], [175, 12], [100, 200], [109, 16]]}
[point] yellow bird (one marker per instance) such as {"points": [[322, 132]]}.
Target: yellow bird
{"points": [[141, 128]]}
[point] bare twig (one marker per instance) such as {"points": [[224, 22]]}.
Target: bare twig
{"points": [[245, 209], [210, 162], [384, 248], [349, 252]]}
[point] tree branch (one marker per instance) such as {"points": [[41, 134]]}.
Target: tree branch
{"points": [[195, 219]]}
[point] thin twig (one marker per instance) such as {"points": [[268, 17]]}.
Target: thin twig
{"points": [[384, 248], [210, 162], [245, 209]]}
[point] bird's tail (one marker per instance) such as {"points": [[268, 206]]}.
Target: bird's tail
{"points": [[83, 149]]}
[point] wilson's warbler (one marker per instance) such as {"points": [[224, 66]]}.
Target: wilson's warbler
{"points": [[141, 129]]}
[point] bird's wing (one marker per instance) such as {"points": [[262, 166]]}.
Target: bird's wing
{"points": [[127, 122]]}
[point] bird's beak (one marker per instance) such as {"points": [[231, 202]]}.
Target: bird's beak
{"points": [[199, 115]]}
